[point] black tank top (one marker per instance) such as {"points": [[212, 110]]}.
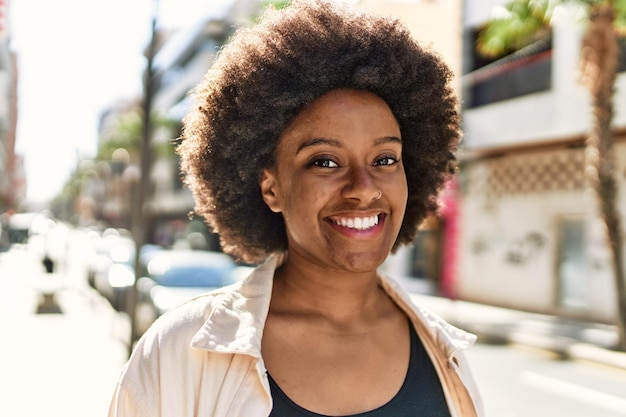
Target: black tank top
{"points": [[421, 394]]}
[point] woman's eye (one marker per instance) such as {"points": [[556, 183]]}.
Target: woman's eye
{"points": [[387, 160], [325, 163]]}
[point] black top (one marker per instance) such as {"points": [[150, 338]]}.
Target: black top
{"points": [[421, 394]]}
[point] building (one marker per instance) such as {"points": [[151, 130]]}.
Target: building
{"points": [[12, 183], [530, 235]]}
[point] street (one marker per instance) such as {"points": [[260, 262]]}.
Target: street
{"points": [[66, 362], [518, 381]]}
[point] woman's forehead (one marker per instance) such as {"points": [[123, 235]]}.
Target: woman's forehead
{"points": [[340, 110]]}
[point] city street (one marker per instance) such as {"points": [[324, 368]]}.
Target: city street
{"points": [[65, 360], [517, 381]]}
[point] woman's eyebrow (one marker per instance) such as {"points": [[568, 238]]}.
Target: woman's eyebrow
{"points": [[319, 141], [388, 139], [337, 144]]}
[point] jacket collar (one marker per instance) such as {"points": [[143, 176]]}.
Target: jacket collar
{"points": [[235, 325], [447, 336], [237, 319]]}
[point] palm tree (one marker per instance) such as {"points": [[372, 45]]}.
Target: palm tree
{"points": [[524, 21]]}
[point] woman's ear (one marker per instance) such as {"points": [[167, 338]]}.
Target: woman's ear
{"points": [[268, 190]]}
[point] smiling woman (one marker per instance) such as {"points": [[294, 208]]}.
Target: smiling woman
{"points": [[318, 143]]}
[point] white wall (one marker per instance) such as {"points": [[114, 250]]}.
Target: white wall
{"points": [[492, 232], [479, 11]]}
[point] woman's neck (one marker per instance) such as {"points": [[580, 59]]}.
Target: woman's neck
{"points": [[340, 297]]}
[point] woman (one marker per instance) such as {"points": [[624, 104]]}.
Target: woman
{"points": [[319, 141]]}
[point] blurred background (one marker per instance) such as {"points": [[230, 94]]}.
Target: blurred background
{"points": [[526, 250]]}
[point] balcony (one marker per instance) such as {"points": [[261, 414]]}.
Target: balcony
{"points": [[511, 77], [526, 71]]}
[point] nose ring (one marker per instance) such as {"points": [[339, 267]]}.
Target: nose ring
{"points": [[379, 194]]}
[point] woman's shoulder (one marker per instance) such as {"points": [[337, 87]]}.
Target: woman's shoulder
{"points": [[184, 320]]}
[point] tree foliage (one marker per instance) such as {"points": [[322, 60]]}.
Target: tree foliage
{"points": [[522, 22]]}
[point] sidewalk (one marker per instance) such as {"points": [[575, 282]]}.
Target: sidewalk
{"points": [[568, 338], [55, 361]]}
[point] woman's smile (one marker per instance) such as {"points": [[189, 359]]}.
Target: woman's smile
{"points": [[359, 223]]}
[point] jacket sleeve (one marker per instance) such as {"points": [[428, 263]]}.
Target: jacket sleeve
{"points": [[124, 405], [161, 376]]}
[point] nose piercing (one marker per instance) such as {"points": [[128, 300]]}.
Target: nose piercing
{"points": [[379, 194]]}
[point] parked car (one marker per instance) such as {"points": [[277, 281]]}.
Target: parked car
{"points": [[173, 276]]}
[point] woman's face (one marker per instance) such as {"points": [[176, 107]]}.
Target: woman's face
{"points": [[331, 162]]}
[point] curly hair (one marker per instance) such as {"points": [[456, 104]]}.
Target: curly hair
{"points": [[268, 72]]}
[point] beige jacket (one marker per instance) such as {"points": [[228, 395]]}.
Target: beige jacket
{"points": [[204, 357]]}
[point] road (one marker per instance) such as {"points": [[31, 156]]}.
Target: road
{"points": [[66, 362], [517, 381]]}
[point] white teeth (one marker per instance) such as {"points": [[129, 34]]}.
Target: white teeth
{"points": [[359, 223]]}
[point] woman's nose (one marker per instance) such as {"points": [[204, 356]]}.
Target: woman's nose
{"points": [[361, 186]]}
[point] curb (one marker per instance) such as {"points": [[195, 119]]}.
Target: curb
{"points": [[500, 326], [564, 347], [585, 351]]}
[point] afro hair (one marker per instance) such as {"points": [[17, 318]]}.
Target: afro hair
{"points": [[266, 74]]}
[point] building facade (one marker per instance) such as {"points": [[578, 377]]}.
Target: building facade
{"points": [[530, 233]]}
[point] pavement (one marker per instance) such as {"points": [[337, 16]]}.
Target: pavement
{"points": [[61, 353]]}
